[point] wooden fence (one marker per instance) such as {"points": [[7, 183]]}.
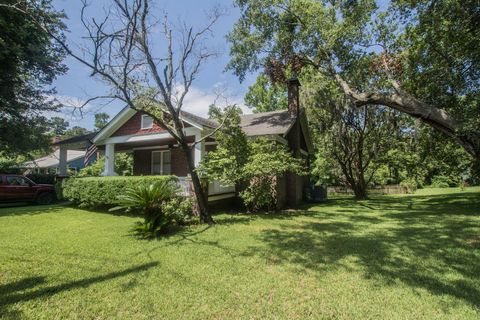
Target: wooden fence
{"points": [[388, 189]]}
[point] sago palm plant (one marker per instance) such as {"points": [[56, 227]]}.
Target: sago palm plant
{"points": [[148, 200]]}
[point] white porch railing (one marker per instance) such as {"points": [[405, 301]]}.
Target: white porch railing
{"points": [[185, 186], [214, 187]]}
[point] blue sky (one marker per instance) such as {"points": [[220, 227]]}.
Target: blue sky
{"points": [[77, 85]]}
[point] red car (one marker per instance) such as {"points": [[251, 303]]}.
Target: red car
{"points": [[15, 188]]}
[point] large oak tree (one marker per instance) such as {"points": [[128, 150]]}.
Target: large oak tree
{"points": [[417, 57]]}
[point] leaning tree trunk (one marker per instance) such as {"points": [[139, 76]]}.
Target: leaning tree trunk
{"points": [[197, 187], [403, 101]]}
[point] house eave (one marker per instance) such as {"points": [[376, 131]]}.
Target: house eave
{"points": [[114, 125], [120, 119]]}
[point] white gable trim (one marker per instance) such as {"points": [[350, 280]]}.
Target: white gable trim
{"points": [[138, 138], [120, 119], [116, 123], [192, 123], [191, 131]]}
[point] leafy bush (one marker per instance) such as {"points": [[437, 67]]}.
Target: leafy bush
{"points": [[98, 192], [123, 166], [442, 182], [410, 184], [8, 165], [266, 162], [260, 194], [255, 162], [59, 191], [93, 170], [150, 200], [179, 209]]}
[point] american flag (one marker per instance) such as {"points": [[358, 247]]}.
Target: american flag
{"points": [[91, 151]]}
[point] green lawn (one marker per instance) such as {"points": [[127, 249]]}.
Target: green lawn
{"points": [[405, 257]]}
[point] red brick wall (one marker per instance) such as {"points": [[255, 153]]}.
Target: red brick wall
{"points": [[133, 126]]}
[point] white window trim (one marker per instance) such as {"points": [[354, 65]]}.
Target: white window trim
{"points": [[161, 161], [142, 125]]}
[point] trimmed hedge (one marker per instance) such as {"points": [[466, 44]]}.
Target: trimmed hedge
{"points": [[101, 192]]}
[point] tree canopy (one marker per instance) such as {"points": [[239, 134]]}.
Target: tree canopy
{"points": [[417, 57], [101, 120], [58, 126], [29, 62], [257, 162]]}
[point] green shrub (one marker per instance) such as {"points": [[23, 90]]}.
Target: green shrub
{"points": [[59, 191], [410, 184], [150, 201], [260, 194], [179, 209], [442, 182], [92, 170], [101, 192], [254, 162], [10, 166], [123, 166]]}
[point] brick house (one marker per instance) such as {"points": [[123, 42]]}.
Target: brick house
{"points": [[155, 152]]}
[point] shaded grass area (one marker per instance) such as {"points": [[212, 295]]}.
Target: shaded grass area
{"points": [[395, 257]]}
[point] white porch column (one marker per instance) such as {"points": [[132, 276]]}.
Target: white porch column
{"points": [[199, 151], [62, 164], [109, 160]]}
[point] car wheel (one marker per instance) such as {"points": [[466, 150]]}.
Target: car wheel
{"points": [[45, 198]]}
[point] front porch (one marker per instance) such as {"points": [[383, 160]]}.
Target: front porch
{"points": [[153, 149], [159, 154]]}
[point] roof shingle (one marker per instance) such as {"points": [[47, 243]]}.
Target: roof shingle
{"points": [[267, 123]]}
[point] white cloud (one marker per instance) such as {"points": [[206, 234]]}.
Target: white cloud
{"points": [[198, 101], [77, 112]]}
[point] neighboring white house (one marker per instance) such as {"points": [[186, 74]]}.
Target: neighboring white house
{"points": [[50, 163]]}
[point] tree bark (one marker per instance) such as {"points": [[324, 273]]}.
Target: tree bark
{"points": [[404, 102], [360, 193], [197, 187], [354, 179], [360, 188]]}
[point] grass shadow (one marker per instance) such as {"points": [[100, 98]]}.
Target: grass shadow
{"points": [[389, 242], [17, 291], [29, 210]]}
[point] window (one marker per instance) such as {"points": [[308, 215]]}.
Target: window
{"points": [[161, 162], [17, 181], [147, 122]]}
